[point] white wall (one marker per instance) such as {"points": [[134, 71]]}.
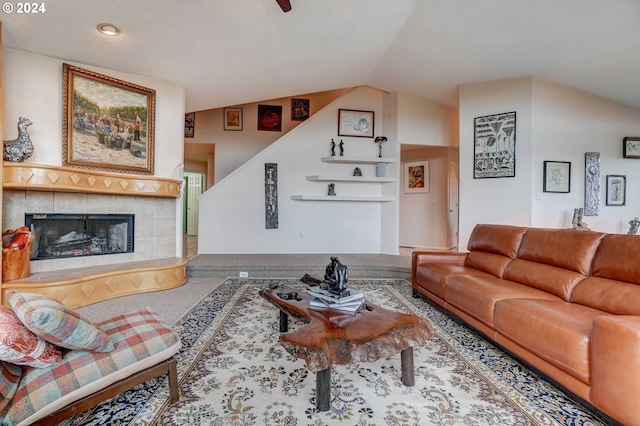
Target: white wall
{"points": [[33, 89], [495, 200], [233, 148], [552, 123], [567, 124], [233, 211]]}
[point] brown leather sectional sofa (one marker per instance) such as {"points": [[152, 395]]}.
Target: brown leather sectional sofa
{"points": [[566, 302]]}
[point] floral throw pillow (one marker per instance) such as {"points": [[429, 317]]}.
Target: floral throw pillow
{"points": [[19, 345], [58, 324]]}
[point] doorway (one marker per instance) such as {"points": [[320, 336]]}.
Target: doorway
{"points": [[194, 187]]}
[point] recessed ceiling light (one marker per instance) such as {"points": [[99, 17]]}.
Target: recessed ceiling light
{"points": [[109, 29]]}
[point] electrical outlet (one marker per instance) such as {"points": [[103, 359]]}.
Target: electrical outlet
{"points": [[244, 274]]}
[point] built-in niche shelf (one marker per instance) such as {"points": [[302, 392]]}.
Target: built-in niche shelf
{"points": [[358, 160], [341, 198]]}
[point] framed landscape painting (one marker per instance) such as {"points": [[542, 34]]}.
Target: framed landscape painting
{"points": [[108, 124]]}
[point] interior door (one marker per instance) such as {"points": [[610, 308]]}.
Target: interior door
{"points": [[453, 205], [194, 189]]}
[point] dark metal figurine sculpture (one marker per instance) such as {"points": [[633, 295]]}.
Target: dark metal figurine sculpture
{"points": [[336, 277], [19, 149]]}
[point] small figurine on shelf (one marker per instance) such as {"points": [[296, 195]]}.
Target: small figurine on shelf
{"points": [[577, 222], [380, 140], [333, 148], [332, 189], [357, 172], [341, 148], [633, 226]]}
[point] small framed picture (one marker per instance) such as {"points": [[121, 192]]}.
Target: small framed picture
{"points": [[557, 176], [416, 177], [631, 147], [232, 118], [355, 123], [616, 190], [270, 118], [299, 109], [189, 124]]}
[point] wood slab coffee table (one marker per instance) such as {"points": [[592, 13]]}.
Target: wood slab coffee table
{"points": [[332, 337]]}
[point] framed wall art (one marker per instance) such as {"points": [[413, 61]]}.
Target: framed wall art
{"points": [[299, 109], [494, 150], [557, 176], [616, 190], [631, 147], [108, 124], [232, 118], [189, 124], [355, 123], [270, 118], [416, 177]]}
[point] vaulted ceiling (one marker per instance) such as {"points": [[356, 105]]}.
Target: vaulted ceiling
{"points": [[228, 52]]}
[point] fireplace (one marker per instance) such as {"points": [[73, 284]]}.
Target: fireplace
{"points": [[73, 235]]}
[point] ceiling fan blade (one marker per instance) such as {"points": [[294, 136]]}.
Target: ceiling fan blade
{"points": [[285, 5]]}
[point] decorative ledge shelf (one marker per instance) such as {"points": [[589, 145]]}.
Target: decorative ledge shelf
{"points": [[351, 179], [39, 177], [341, 198], [358, 160]]}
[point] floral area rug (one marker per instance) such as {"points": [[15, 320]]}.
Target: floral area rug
{"points": [[233, 371]]}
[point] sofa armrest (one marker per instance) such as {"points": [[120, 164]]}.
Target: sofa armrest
{"points": [[454, 257], [615, 367]]}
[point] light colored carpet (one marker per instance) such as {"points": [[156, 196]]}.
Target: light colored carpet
{"points": [[233, 371]]}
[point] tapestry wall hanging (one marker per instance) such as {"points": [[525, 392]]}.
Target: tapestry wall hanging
{"points": [[494, 146], [271, 195]]}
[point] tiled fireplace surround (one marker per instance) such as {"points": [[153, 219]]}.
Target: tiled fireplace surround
{"points": [[78, 281], [155, 223]]}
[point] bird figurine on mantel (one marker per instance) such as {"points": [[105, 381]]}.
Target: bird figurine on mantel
{"points": [[19, 149]]}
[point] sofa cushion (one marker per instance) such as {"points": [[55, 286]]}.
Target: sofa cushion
{"points": [[10, 375], [552, 279], [19, 345], [491, 263], [614, 297], [478, 295], [617, 258], [433, 276], [498, 239], [564, 248], [556, 331], [141, 340], [56, 323]]}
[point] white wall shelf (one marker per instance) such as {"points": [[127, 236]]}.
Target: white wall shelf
{"points": [[304, 197], [372, 179], [358, 160]]}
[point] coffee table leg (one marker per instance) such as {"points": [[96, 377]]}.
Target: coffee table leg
{"points": [[406, 364], [284, 322], [323, 389]]}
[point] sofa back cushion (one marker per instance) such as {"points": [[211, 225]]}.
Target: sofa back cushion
{"points": [[492, 247], [615, 297], [564, 248], [553, 280], [618, 258]]}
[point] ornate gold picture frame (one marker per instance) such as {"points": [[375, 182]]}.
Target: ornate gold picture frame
{"points": [[108, 124]]}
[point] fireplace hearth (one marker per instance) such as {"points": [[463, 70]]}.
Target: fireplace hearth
{"points": [[73, 235]]}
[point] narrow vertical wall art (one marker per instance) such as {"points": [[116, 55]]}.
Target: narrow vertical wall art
{"points": [[271, 195], [592, 183]]}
